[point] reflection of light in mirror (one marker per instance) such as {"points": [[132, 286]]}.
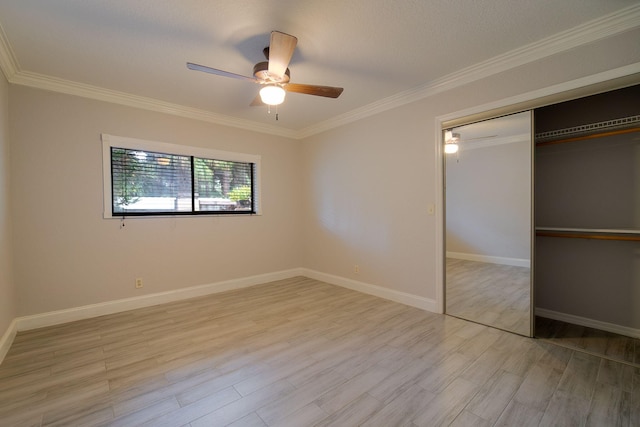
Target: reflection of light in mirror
{"points": [[451, 142], [451, 148]]}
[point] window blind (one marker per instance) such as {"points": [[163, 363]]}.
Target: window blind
{"points": [[152, 183]]}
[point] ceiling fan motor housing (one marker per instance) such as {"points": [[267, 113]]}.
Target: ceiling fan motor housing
{"points": [[261, 72]]}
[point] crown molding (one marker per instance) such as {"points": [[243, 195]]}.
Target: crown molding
{"points": [[14, 75], [68, 87], [8, 62], [605, 26], [600, 28]]}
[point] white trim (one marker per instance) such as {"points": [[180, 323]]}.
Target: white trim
{"points": [[25, 323], [590, 323], [516, 262], [54, 84], [184, 150], [109, 141], [88, 311], [615, 73], [439, 221], [8, 62], [589, 32], [7, 339], [378, 291], [51, 318]]}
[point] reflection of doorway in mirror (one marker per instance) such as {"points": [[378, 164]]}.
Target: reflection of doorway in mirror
{"points": [[488, 223]]}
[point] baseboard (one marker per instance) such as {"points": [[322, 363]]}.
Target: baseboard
{"points": [[7, 339], [590, 323], [52, 318], [517, 262], [366, 288], [88, 311]]}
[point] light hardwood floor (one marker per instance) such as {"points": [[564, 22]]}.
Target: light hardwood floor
{"points": [[299, 352]]}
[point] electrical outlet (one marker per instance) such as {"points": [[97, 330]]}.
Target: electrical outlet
{"points": [[356, 269], [139, 283]]}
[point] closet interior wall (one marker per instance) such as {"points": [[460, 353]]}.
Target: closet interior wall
{"points": [[587, 210]]}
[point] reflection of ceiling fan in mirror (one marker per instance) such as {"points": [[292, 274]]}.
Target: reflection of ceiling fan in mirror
{"points": [[273, 74]]}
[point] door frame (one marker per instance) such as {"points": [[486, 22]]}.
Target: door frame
{"points": [[585, 86]]}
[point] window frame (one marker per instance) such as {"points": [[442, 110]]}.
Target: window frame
{"points": [[109, 141]]}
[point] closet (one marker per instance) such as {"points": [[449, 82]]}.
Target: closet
{"points": [[587, 223]]}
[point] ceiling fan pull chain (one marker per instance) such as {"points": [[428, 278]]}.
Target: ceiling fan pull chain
{"points": [[269, 110]]}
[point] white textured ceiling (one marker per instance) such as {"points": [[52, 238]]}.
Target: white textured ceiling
{"points": [[375, 49]]}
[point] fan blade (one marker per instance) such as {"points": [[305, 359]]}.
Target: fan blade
{"points": [[327, 91], [281, 50], [197, 67], [257, 102]]}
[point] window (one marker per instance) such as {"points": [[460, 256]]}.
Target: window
{"points": [[150, 178]]}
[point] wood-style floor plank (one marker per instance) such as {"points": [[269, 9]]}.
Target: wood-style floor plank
{"points": [[299, 352]]}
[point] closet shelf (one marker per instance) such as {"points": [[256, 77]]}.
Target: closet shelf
{"points": [[590, 233], [590, 136]]}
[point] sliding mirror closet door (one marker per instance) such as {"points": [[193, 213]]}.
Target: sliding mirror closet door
{"points": [[488, 222]]}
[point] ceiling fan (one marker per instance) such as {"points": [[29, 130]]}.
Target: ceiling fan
{"points": [[273, 74]]}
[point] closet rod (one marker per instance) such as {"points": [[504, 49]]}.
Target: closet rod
{"points": [[594, 236], [592, 136]]}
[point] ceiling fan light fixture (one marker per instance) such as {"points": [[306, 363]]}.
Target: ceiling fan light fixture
{"points": [[272, 94]]}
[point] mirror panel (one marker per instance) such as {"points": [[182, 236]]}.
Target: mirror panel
{"points": [[489, 223]]}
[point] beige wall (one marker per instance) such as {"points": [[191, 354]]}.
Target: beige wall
{"points": [[368, 186], [66, 255], [8, 304]]}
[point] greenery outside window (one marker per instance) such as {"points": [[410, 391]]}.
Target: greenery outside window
{"points": [[150, 178]]}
